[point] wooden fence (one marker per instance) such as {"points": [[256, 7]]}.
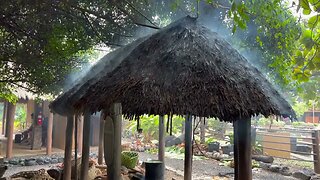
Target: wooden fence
{"points": [[279, 143]]}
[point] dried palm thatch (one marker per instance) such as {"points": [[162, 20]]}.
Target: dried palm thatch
{"points": [[183, 69]]}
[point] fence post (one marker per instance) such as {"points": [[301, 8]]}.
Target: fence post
{"points": [[316, 157]]}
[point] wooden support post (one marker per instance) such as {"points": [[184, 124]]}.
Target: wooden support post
{"points": [[68, 148], [4, 116], [202, 130], [316, 156], [80, 133], [75, 170], [235, 151], [86, 147], [161, 139], [188, 149], [10, 121], [112, 143], [243, 133], [49, 134], [101, 135]]}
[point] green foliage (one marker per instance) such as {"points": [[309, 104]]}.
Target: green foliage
{"points": [[267, 121], [300, 108], [210, 140], [150, 126], [298, 124]]}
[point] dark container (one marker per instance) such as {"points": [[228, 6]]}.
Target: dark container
{"points": [[17, 138], [154, 170], [213, 146]]}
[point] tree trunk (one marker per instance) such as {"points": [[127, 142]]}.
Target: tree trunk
{"points": [[101, 135], [68, 148], [86, 147], [10, 122], [188, 149], [4, 116], [36, 141], [49, 134]]}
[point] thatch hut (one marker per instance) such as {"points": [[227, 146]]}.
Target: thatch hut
{"points": [[183, 69]]}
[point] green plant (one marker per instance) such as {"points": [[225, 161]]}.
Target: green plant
{"points": [[210, 140], [150, 126]]}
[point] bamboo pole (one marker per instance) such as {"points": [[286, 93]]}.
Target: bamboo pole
{"points": [[86, 147], [10, 121], [68, 148], [188, 149], [49, 134]]}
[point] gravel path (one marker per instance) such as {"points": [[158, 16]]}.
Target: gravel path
{"points": [[205, 169]]}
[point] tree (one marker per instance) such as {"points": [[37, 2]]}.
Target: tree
{"points": [[41, 42]]}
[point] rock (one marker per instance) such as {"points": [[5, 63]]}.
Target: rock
{"points": [[214, 146], [177, 141], [22, 163], [275, 168], [303, 174], [265, 159], [30, 162], [124, 170], [60, 159], [168, 138], [315, 177], [5, 162], [40, 161], [14, 161], [54, 161], [285, 171], [264, 166], [227, 149], [303, 148], [224, 156]]}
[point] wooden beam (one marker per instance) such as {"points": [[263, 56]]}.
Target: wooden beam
{"points": [[161, 139], [86, 147], [49, 134], [10, 121], [4, 116], [68, 148], [243, 133], [101, 135], [188, 148]]}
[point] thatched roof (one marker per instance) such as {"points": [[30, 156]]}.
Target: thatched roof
{"points": [[183, 69]]}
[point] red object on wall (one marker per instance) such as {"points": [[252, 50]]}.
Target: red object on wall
{"points": [[39, 119]]}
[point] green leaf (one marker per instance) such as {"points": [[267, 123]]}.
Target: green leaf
{"points": [[306, 11], [313, 21], [234, 28], [304, 4], [233, 6]]}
